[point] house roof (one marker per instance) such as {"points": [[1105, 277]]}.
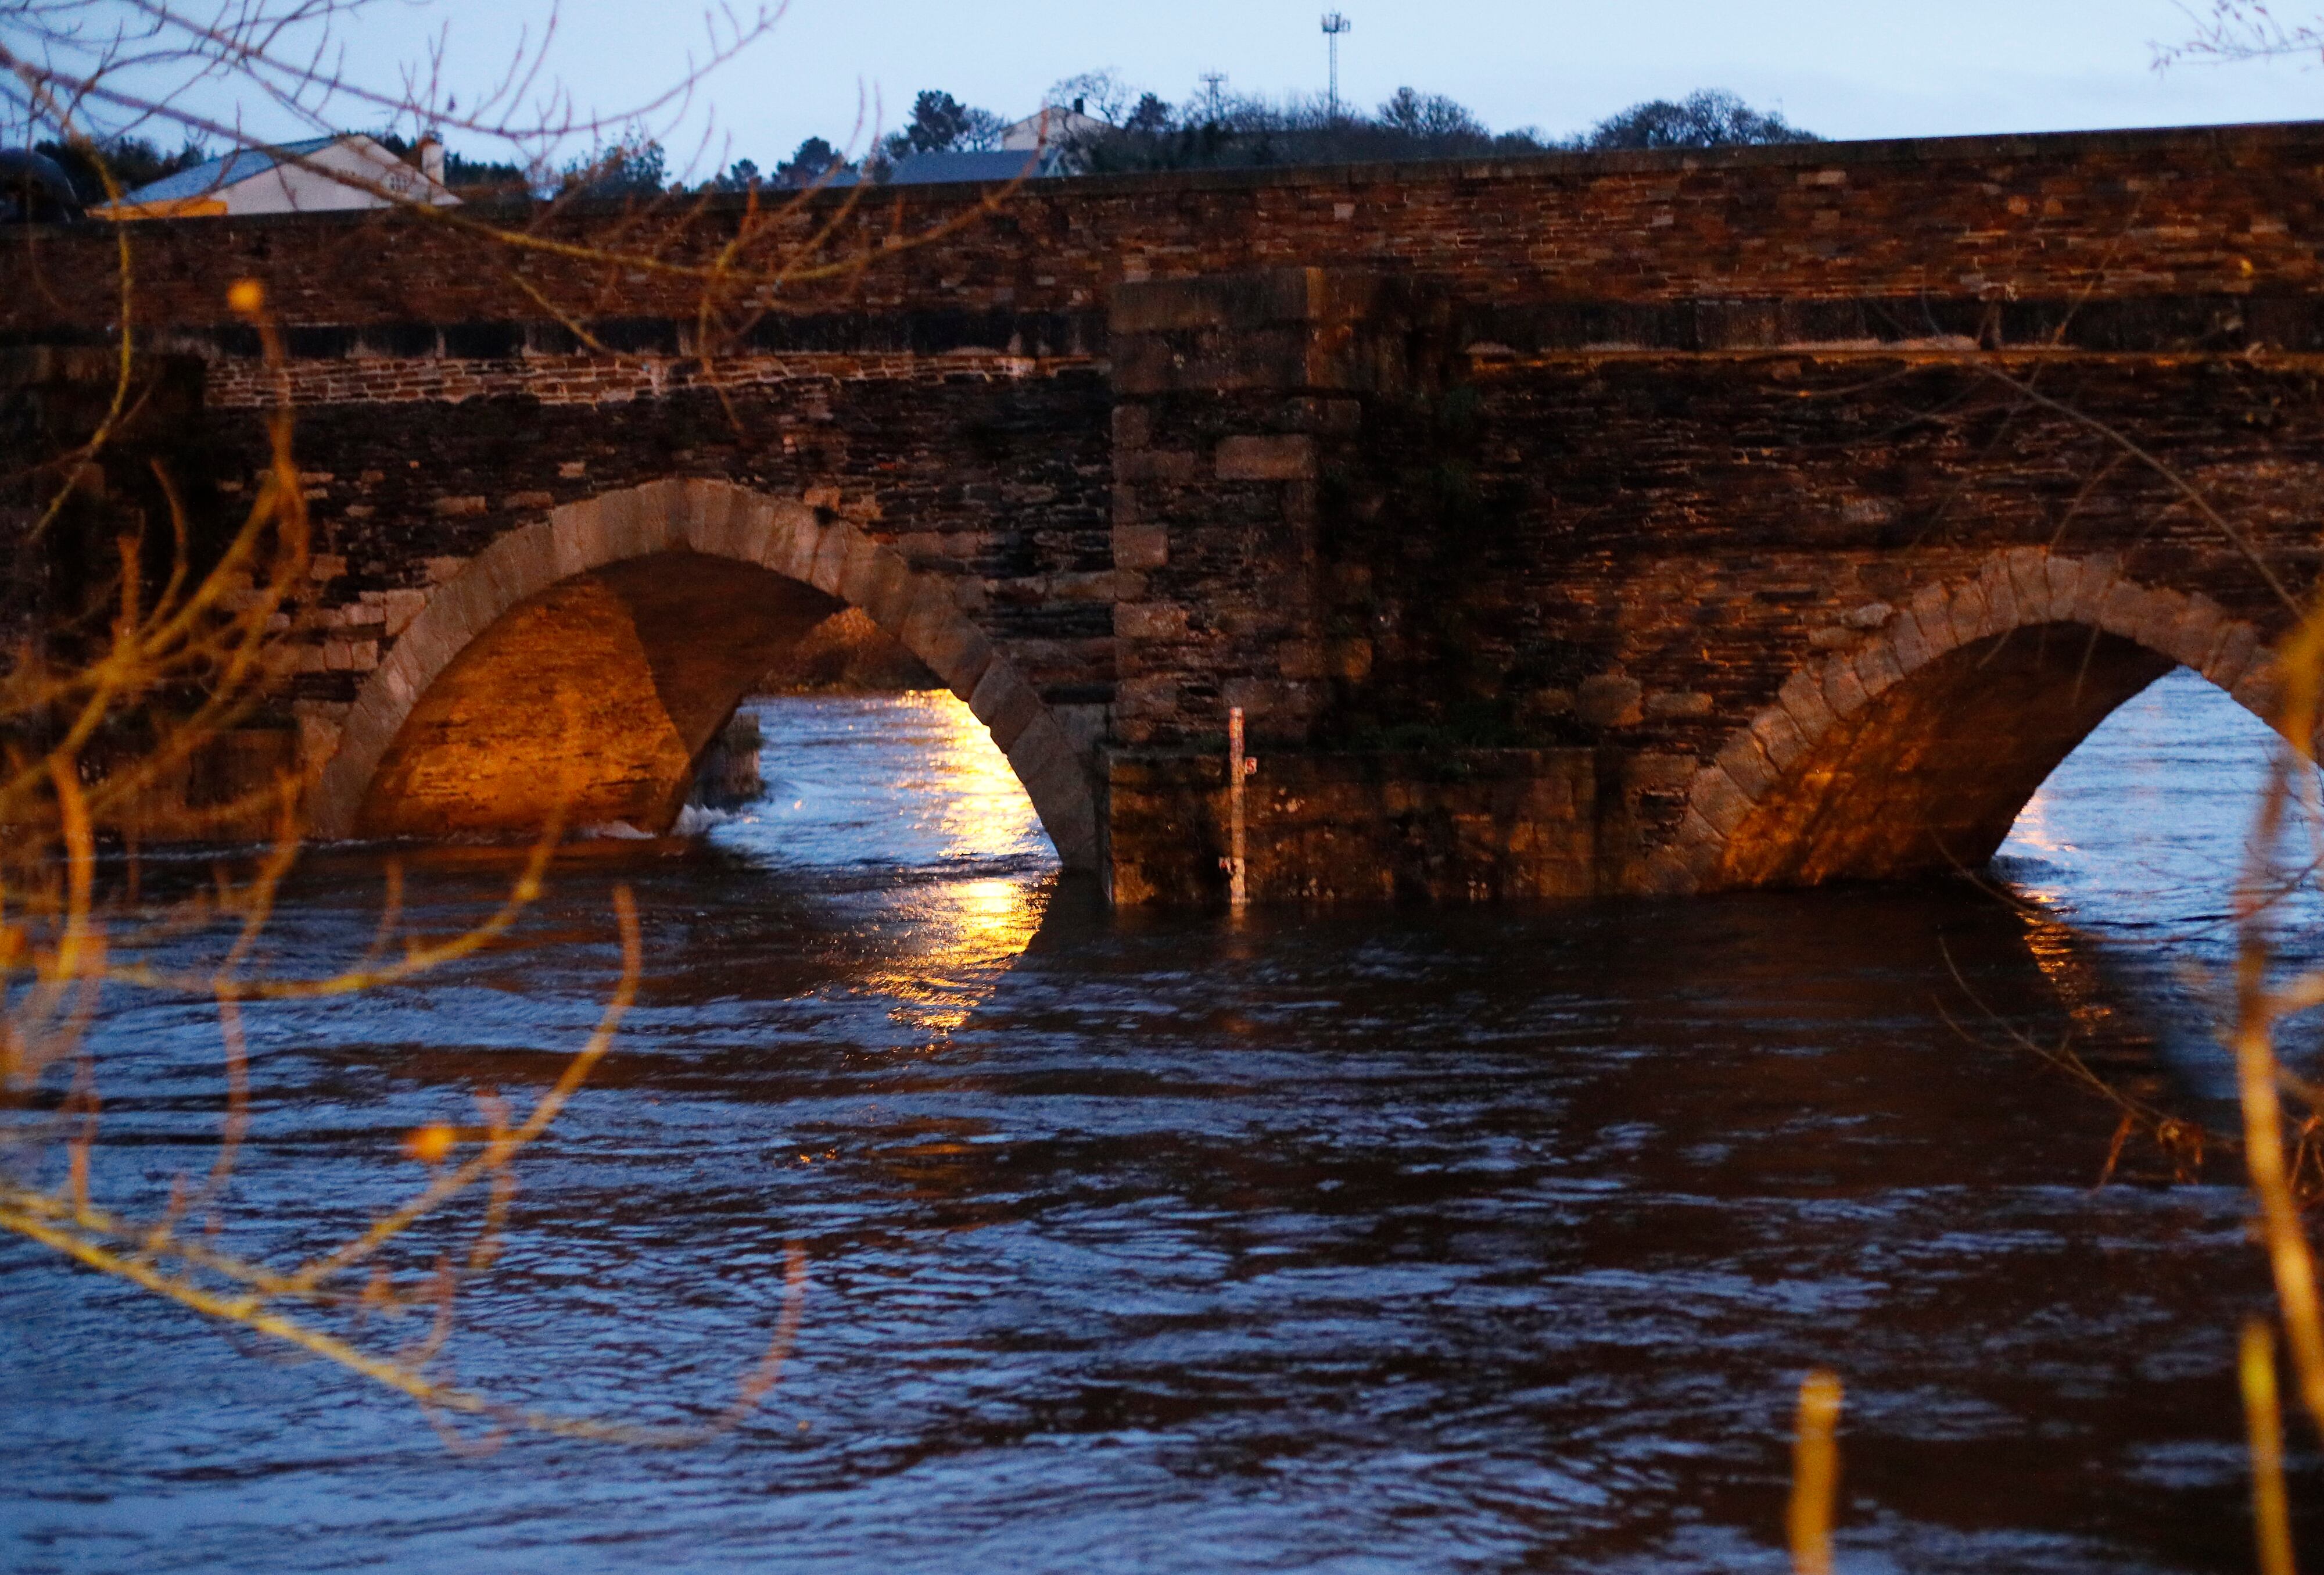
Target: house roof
{"points": [[933, 169], [215, 175], [1052, 126]]}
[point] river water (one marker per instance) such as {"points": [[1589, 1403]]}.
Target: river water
{"points": [[1476, 1239]]}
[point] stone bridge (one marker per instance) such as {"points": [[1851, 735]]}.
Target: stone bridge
{"points": [[1586, 524]]}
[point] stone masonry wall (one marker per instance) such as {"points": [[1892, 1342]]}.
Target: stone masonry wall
{"points": [[1832, 241], [1547, 519]]}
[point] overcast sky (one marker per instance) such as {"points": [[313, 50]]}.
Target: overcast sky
{"points": [[1843, 67]]}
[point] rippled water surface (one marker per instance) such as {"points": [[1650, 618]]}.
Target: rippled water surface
{"points": [[1478, 1240]]}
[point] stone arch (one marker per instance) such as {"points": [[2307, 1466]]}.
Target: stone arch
{"points": [[613, 590], [1915, 749]]}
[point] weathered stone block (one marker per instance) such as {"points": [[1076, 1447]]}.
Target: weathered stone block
{"points": [[1004, 703], [1843, 692], [579, 537], [795, 543], [1909, 644], [1717, 798], [2098, 578], [2001, 614], [1933, 609], [1746, 764], [2197, 631], [2260, 691], [714, 516], [1141, 546], [2159, 619], [1170, 467], [2065, 577], [857, 570], [832, 546], [2124, 610], [1802, 696], [1285, 458], [1779, 736], [1133, 427], [2029, 581], [2231, 655], [1966, 610], [398, 608], [1149, 621], [889, 589], [1877, 669], [1671, 703], [1609, 699], [1300, 659], [1280, 295]]}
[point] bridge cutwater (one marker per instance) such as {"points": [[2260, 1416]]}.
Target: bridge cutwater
{"points": [[1618, 522]]}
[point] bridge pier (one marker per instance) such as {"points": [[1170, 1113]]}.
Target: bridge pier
{"points": [[1261, 426]]}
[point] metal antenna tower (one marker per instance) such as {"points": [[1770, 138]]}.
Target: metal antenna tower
{"points": [[1211, 80], [1334, 24]]}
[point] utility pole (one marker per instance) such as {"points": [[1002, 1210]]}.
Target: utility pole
{"points": [[1334, 24]]}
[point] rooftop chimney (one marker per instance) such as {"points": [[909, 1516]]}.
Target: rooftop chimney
{"points": [[432, 158]]}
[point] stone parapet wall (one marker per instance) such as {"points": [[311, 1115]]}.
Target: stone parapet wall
{"points": [[2233, 212]]}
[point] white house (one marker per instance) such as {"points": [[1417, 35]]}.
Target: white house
{"points": [[294, 178], [1054, 125]]}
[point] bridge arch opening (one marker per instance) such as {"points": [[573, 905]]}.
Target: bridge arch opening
{"points": [[2150, 819], [587, 662], [1915, 751]]}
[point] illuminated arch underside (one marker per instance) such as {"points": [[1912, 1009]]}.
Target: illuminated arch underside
{"points": [[1932, 773], [1914, 750], [588, 658], [595, 697]]}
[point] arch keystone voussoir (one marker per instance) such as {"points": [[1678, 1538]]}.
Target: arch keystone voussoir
{"points": [[1746, 764], [1779, 736], [2000, 594], [1965, 612], [833, 543], [1802, 697], [889, 588], [1877, 669], [857, 566], [714, 517], [2029, 583], [1843, 692], [1719, 800]]}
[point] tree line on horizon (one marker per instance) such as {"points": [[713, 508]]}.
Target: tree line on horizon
{"points": [[1135, 130], [1126, 130]]}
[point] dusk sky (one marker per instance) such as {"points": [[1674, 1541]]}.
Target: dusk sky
{"points": [[1843, 68]]}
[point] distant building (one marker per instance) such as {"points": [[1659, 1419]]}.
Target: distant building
{"points": [[933, 169], [1055, 126], [269, 180]]}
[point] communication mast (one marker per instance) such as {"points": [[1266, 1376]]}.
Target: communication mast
{"points": [[1211, 80], [1334, 24]]}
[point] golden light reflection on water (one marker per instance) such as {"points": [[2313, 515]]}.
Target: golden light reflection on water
{"points": [[2035, 832], [981, 807], [969, 927]]}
